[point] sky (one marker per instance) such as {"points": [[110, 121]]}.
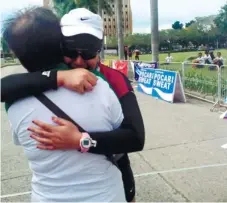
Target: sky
{"points": [[169, 11]]}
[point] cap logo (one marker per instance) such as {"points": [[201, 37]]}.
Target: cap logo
{"points": [[82, 19]]}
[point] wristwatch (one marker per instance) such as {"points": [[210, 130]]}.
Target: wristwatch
{"points": [[86, 142]]}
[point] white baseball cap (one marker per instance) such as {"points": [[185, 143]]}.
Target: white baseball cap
{"points": [[82, 21]]}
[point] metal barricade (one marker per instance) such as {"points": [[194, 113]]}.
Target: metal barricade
{"points": [[173, 66], [223, 85], [201, 81], [207, 82]]}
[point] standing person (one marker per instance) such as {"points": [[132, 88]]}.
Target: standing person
{"points": [[137, 53], [130, 54], [126, 52], [71, 175], [129, 137]]}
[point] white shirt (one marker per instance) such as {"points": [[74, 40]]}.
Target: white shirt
{"points": [[69, 175], [208, 57], [201, 60], [219, 59], [169, 59]]}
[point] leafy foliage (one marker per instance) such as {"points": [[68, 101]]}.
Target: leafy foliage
{"points": [[221, 20], [189, 23], [4, 45], [62, 7], [177, 25]]}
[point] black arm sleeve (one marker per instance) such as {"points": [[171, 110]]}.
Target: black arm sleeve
{"points": [[129, 137], [18, 86]]}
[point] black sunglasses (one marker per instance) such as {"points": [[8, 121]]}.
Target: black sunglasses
{"points": [[85, 54]]}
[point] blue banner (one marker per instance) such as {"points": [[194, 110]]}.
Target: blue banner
{"points": [[157, 83], [139, 65], [164, 85], [145, 80]]}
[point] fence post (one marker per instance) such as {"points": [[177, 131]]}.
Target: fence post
{"points": [[183, 81], [219, 84]]}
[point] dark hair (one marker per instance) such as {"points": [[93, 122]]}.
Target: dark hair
{"points": [[219, 53], [34, 35], [212, 55], [206, 52]]}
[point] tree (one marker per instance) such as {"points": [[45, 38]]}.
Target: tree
{"points": [[62, 7], [189, 23], [4, 45], [204, 24], [95, 5], [221, 20], [177, 25]]}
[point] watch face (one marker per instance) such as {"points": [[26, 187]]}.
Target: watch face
{"points": [[86, 143]]}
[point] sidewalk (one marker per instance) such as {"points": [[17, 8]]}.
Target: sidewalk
{"points": [[182, 161]]}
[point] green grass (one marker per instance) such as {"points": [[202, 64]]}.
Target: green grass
{"points": [[177, 57], [202, 81], [181, 57]]}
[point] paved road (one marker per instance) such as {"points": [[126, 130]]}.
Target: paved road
{"points": [[182, 160]]}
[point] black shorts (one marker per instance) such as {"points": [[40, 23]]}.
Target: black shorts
{"points": [[127, 177]]}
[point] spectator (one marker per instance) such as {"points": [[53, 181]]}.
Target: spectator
{"points": [[212, 55], [207, 58], [169, 58], [126, 52], [219, 60], [199, 62], [130, 54], [212, 67], [137, 53]]}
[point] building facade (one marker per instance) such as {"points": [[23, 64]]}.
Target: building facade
{"points": [[110, 22]]}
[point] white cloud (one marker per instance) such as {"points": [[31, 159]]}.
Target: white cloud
{"points": [[148, 29], [169, 11], [9, 6], [172, 10], [17, 4]]}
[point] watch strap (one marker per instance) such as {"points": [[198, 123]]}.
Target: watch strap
{"points": [[82, 148]]}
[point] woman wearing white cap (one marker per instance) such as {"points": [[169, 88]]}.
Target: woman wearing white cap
{"points": [[83, 32]]}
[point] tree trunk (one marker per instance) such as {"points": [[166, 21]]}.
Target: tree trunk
{"points": [[120, 29], [102, 55], [154, 30]]}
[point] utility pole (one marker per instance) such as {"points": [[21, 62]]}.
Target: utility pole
{"points": [[120, 29], [154, 30], [102, 55]]}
